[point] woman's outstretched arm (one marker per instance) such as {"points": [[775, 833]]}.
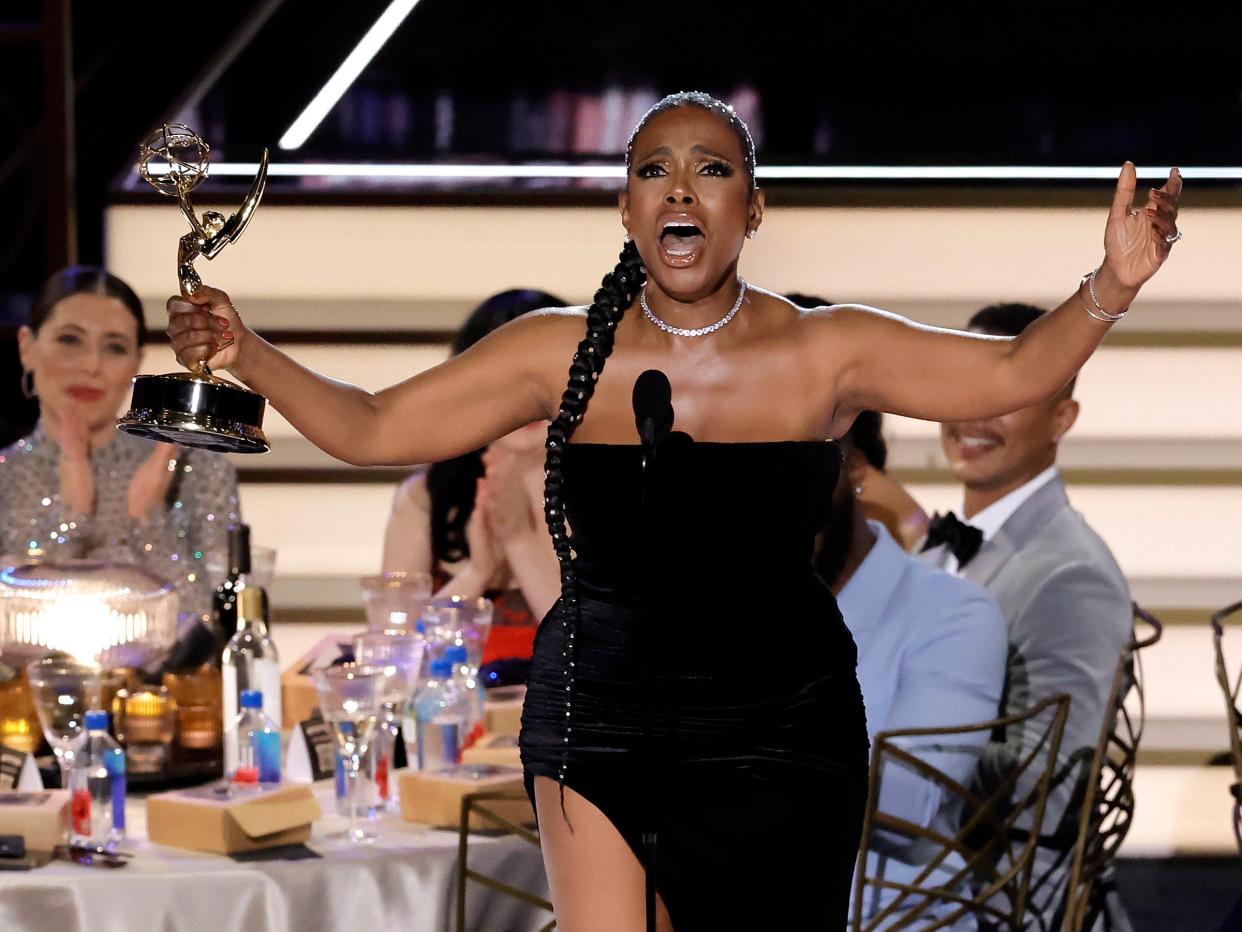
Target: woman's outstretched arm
{"points": [[503, 382], [897, 366]]}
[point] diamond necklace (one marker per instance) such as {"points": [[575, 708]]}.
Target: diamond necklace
{"points": [[697, 331]]}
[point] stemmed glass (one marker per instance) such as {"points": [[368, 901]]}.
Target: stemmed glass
{"points": [[351, 697], [399, 653], [462, 621], [63, 691], [393, 600]]}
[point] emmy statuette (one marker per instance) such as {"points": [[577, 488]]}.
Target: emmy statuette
{"points": [[195, 408]]}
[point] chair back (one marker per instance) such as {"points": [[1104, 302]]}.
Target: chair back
{"points": [[980, 863], [1107, 787], [1230, 687], [486, 808]]}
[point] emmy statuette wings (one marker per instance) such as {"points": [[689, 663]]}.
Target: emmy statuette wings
{"points": [[195, 408]]}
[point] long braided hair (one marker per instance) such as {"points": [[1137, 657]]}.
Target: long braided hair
{"points": [[616, 293]]}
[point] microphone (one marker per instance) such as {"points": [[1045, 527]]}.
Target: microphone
{"points": [[653, 408]]}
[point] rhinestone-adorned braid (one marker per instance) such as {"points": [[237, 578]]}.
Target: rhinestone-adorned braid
{"points": [[615, 294]]}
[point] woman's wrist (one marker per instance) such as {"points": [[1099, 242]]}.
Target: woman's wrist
{"points": [[1112, 296], [243, 366], [467, 584]]}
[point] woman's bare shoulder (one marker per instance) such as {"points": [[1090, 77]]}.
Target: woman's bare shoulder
{"points": [[551, 330]]}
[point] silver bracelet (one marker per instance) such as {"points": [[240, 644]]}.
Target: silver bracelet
{"points": [[1098, 311]]}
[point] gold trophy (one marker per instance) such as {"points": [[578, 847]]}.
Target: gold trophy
{"points": [[195, 408]]}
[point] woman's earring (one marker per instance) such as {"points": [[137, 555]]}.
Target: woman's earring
{"points": [[628, 238], [750, 234], [28, 385], [858, 490]]}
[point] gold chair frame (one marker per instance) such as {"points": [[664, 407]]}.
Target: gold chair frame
{"points": [[477, 803], [998, 857], [1107, 789], [1233, 714]]}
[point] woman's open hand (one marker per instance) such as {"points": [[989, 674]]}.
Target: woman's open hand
{"points": [[205, 327], [1136, 240], [148, 487], [77, 476]]}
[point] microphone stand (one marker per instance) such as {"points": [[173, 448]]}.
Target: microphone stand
{"points": [[653, 415]]}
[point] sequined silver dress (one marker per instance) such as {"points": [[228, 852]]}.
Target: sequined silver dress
{"points": [[175, 542]]}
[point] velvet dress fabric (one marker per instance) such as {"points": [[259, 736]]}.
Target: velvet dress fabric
{"points": [[714, 699]]}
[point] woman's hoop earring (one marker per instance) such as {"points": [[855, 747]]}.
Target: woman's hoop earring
{"points": [[28, 385]]}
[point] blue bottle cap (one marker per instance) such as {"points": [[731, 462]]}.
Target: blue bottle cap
{"points": [[251, 699], [456, 654], [441, 667], [96, 720]]}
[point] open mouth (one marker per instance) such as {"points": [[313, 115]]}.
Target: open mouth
{"points": [[681, 242]]}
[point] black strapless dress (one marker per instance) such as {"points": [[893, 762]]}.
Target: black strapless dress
{"points": [[746, 750]]}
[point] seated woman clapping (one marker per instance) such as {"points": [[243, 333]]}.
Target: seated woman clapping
{"points": [[76, 486]]}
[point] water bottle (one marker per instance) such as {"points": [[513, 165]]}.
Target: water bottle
{"points": [[443, 713], [97, 786], [250, 660], [252, 745]]}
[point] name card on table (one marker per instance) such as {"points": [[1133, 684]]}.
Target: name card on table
{"points": [[18, 771], [312, 752]]}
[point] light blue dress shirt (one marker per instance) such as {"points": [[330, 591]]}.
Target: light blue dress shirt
{"points": [[932, 650]]}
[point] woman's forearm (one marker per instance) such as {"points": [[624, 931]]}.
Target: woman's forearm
{"points": [[336, 416], [535, 569], [1050, 352], [468, 583]]}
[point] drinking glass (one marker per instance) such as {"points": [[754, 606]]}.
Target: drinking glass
{"points": [[63, 691], [455, 620], [400, 654], [351, 697], [393, 600]]}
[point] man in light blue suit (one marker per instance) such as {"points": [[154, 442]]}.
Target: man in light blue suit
{"points": [[1065, 600], [931, 650]]}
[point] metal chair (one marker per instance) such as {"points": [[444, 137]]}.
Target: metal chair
{"points": [[1106, 788], [478, 804], [1233, 715], [982, 864]]}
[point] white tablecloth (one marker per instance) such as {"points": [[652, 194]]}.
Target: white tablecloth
{"points": [[405, 881]]}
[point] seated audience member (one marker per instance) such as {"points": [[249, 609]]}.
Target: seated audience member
{"points": [[882, 497], [475, 522], [931, 650], [78, 487], [1065, 600]]}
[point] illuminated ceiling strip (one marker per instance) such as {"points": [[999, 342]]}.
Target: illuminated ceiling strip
{"points": [[770, 172], [345, 75]]}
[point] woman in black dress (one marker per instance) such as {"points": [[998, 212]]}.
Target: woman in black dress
{"points": [[694, 684]]}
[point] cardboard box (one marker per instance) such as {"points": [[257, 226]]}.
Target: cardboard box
{"points": [[298, 697], [501, 750], [41, 817], [205, 818], [434, 798], [502, 711]]}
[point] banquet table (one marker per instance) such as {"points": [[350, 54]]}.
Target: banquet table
{"points": [[405, 880]]}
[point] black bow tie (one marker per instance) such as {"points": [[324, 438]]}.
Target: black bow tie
{"points": [[964, 539]]}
